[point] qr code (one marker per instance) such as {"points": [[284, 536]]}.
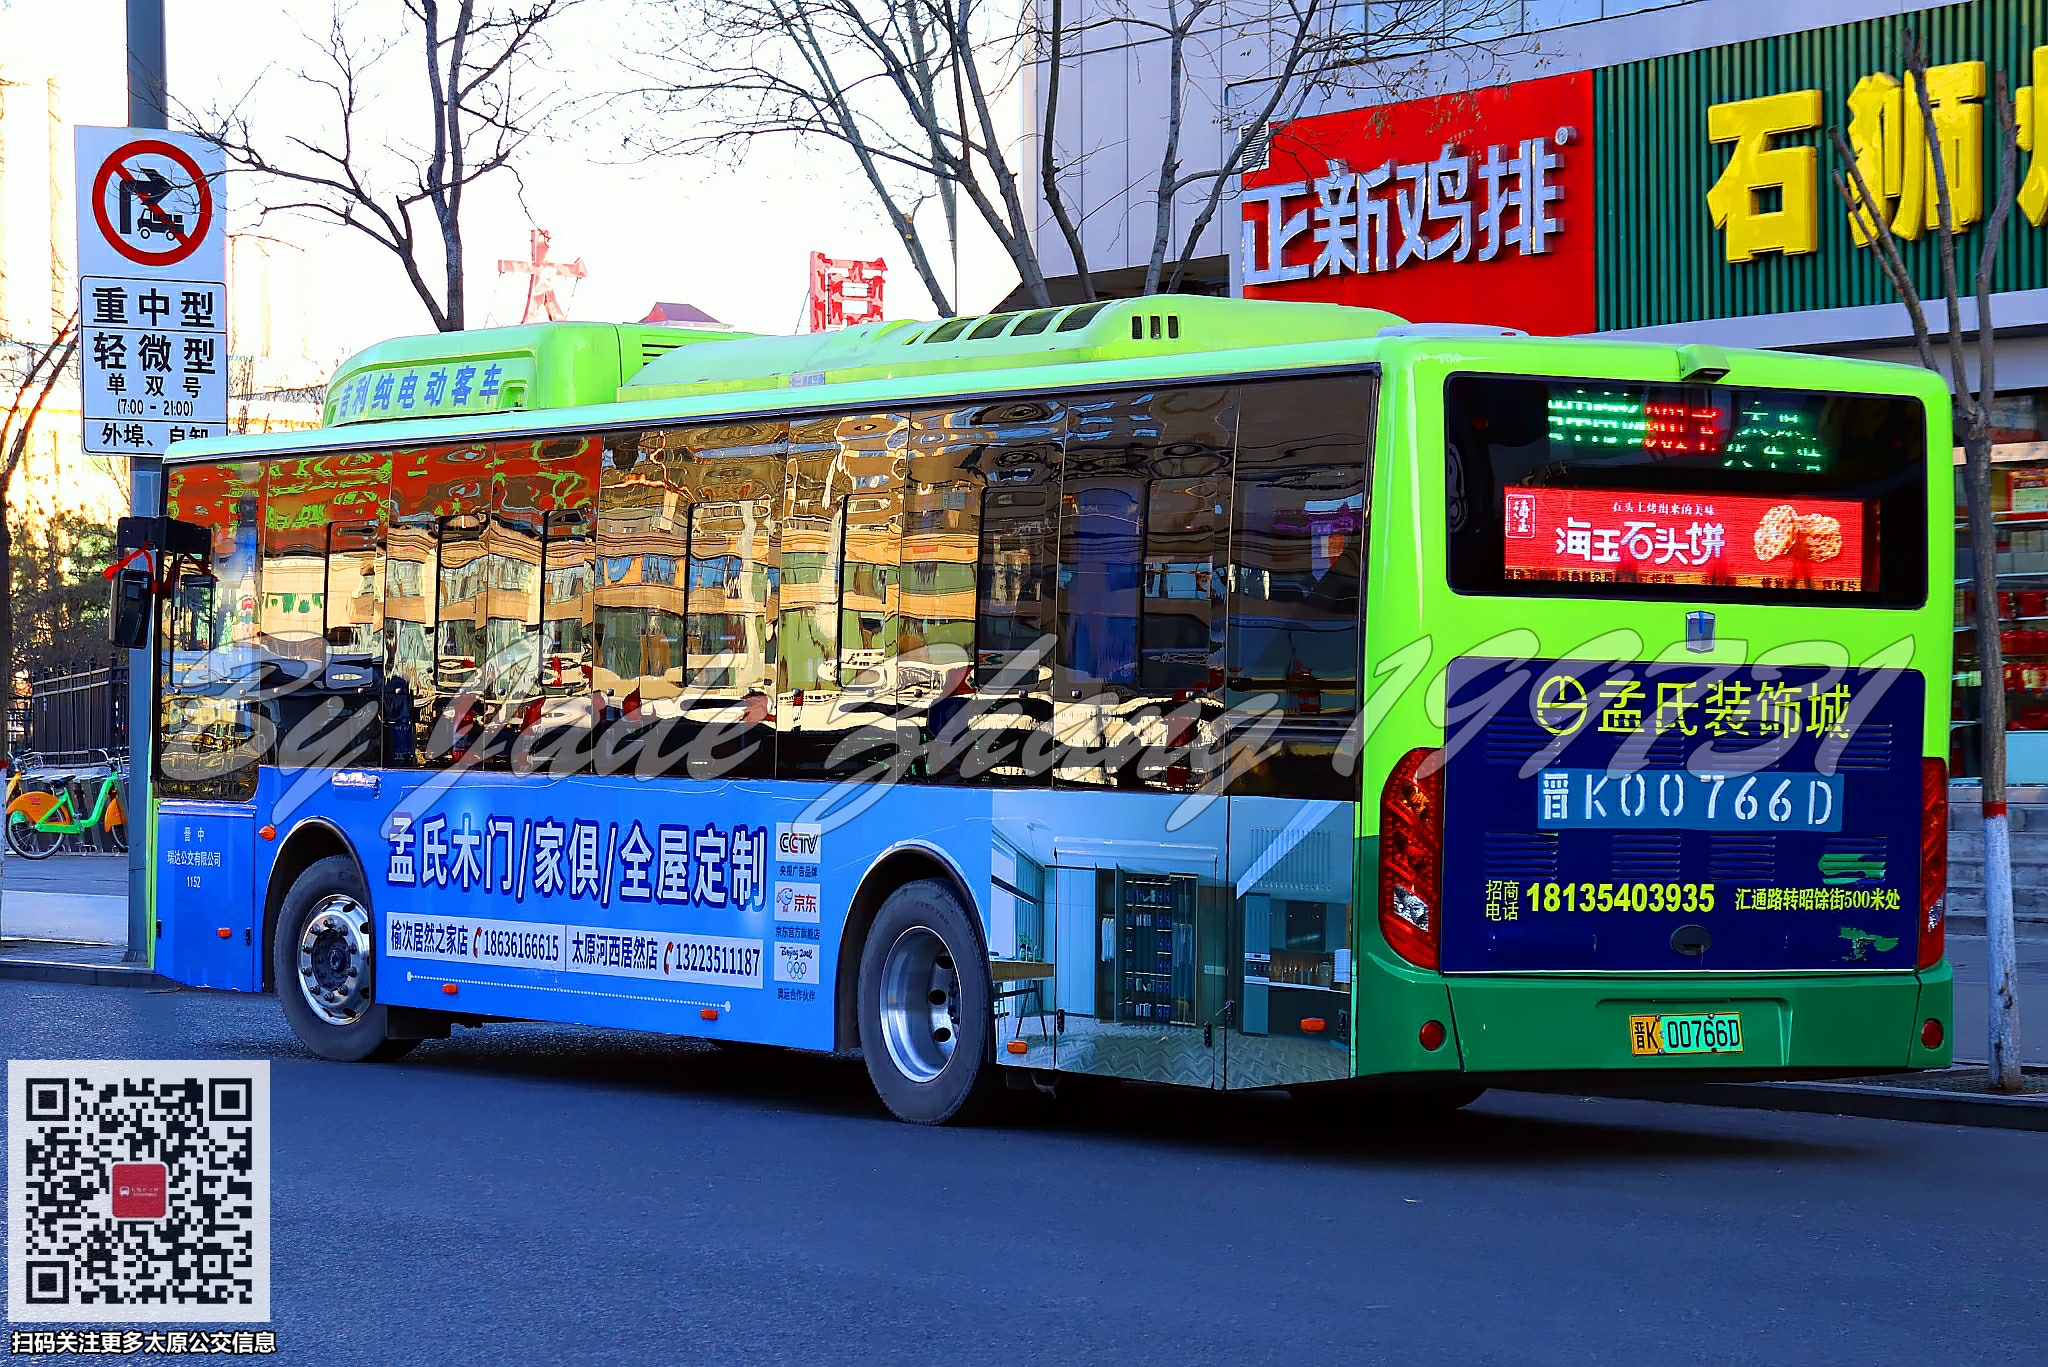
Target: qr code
{"points": [[138, 1192]]}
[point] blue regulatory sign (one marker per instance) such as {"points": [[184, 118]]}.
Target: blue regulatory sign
{"points": [[1676, 800]]}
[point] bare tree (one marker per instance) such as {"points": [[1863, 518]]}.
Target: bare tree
{"points": [[915, 91], [46, 368], [488, 92], [1403, 49], [1972, 416], [908, 87]]}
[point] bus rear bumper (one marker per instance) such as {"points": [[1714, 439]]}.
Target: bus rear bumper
{"points": [[1792, 1025]]}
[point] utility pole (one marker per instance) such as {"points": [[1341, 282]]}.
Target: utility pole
{"points": [[148, 91], [148, 107]]}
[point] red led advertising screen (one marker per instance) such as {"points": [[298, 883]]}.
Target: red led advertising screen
{"points": [[1746, 540]]}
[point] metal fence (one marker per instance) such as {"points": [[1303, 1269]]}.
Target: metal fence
{"points": [[69, 715]]}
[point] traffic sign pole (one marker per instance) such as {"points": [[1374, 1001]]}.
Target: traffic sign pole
{"points": [[148, 91], [148, 106], [148, 101], [150, 199]]}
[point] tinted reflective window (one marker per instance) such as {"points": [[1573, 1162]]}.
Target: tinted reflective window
{"points": [[542, 524], [1143, 521], [841, 599], [1298, 547], [979, 540], [1702, 493], [215, 725], [321, 619], [688, 563], [452, 488]]}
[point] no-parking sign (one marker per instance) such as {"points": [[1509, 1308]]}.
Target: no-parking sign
{"points": [[152, 268]]}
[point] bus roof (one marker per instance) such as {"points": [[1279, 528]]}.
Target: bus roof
{"points": [[555, 376]]}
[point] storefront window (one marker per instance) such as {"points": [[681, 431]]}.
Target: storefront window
{"points": [[2019, 509]]}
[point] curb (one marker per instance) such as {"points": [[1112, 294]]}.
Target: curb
{"points": [[1849, 1098], [87, 975]]}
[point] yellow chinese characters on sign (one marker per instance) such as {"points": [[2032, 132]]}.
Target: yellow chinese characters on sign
{"points": [[2033, 195], [1766, 197], [1888, 133], [1757, 168]]}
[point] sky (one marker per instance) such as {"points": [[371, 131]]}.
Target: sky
{"points": [[734, 241]]}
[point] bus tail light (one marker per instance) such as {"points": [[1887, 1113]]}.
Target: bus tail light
{"points": [[1933, 862], [1411, 858]]}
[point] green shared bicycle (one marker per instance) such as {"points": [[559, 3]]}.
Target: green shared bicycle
{"points": [[40, 822]]}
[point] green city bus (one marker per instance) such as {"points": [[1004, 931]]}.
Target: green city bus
{"points": [[1208, 692]]}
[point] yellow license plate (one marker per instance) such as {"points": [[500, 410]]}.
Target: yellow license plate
{"points": [[1708, 1034]]}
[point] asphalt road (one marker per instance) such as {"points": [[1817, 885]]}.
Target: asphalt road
{"points": [[525, 1194]]}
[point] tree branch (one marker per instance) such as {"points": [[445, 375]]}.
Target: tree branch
{"points": [[1048, 167], [1878, 232]]}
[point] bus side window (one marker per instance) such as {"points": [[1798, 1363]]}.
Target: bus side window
{"points": [[1298, 552], [687, 573], [1144, 511], [321, 617], [841, 599], [979, 545], [412, 575], [813, 535], [537, 687], [215, 724], [448, 489], [732, 596], [643, 537]]}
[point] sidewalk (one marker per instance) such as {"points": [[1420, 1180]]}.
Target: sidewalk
{"points": [[65, 919], [1971, 1029], [1953, 1096]]}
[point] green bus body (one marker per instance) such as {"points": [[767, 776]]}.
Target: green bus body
{"points": [[1557, 1023]]}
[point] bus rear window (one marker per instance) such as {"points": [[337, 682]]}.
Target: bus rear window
{"points": [[1600, 489]]}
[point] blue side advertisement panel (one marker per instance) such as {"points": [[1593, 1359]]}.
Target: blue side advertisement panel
{"points": [[1670, 816], [657, 905]]}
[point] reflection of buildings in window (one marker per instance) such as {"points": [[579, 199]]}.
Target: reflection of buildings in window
{"points": [[729, 596]]}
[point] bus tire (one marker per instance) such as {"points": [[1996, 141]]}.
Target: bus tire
{"points": [[323, 960], [927, 1029]]}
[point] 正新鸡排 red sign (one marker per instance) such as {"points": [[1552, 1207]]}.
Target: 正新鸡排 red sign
{"points": [[1467, 208]]}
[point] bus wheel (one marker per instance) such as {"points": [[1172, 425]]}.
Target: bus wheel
{"points": [[926, 1028], [324, 962]]}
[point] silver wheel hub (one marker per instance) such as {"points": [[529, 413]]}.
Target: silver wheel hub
{"points": [[334, 960], [920, 1004]]}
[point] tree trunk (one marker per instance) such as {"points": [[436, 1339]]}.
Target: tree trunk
{"points": [[1169, 160], [1998, 929], [6, 612], [451, 245]]}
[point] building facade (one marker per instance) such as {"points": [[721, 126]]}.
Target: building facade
{"points": [[1658, 172]]}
